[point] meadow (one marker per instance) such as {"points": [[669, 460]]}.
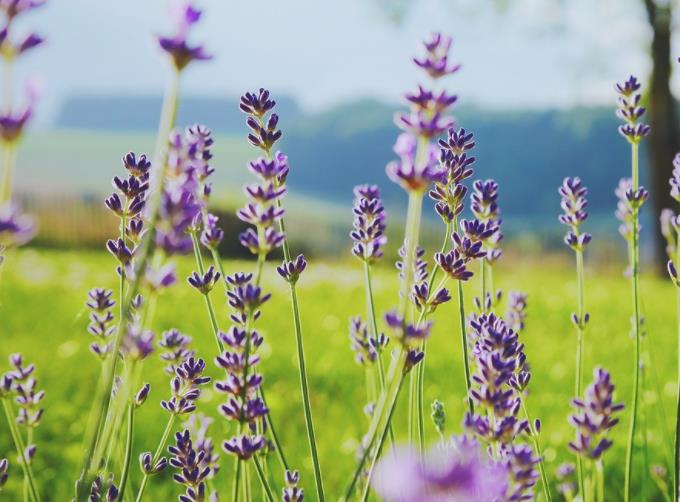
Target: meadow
{"points": [[42, 299]]}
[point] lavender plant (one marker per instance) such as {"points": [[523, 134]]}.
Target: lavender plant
{"points": [[594, 417], [631, 198], [15, 228], [670, 227], [265, 213], [573, 205]]}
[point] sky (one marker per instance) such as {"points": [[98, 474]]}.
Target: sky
{"points": [[532, 53]]}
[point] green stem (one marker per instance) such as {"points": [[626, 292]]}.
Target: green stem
{"points": [[218, 262], [8, 161], [676, 443], [208, 303], [464, 344], [578, 385], [156, 455], [636, 320], [305, 395], [420, 400], [482, 267], [128, 450], [103, 396], [237, 480], [263, 479], [275, 438], [21, 449], [537, 444], [600, 480]]}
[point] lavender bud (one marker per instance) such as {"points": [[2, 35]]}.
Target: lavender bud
{"points": [[142, 394], [438, 416], [291, 270], [4, 471], [205, 283]]}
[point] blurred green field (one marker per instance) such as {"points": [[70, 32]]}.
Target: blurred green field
{"points": [[42, 295]]}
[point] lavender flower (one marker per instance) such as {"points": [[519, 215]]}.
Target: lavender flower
{"points": [[103, 491], [25, 392], [628, 204], [566, 476], [521, 464], [406, 333], [362, 344], [516, 314], [148, 467], [191, 474], [177, 47], [16, 229], [204, 283], [175, 349], [594, 417], [243, 405], [455, 470], [291, 492], [263, 209], [436, 60], [291, 270], [630, 111], [453, 265], [410, 172], [4, 471], [137, 343], [369, 224], [198, 424], [185, 386], [101, 317], [574, 205]]}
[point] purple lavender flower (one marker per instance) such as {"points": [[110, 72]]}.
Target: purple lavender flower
{"points": [[574, 205], [185, 386], [263, 209], [13, 122], [420, 266], [175, 349], [594, 417], [101, 317], [436, 60], [23, 387], [516, 314], [204, 283], [675, 178], [188, 462], [421, 297], [137, 343], [177, 46], [369, 224], [566, 476], [148, 467], [239, 360], [16, 229], [629, 202], [212, 235], [12, 8], [102, 491], [521, 464], [407, 333], [630, 111], [291, 492], [410, 172], [453, 265], [455, 470], [291, 270], [4, 471], [142, 394], [198, 424], [361, 342]]}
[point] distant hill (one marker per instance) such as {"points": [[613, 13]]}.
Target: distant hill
{"points": [[528, 152], [140, 113]]}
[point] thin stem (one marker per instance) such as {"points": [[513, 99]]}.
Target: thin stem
{"points": [[218, 262], [275, 438], [156, 455], [29, 442], [21, 449], [103, 396], [580, 332], [237, 480], [537, 444], [464, 344], [128, 450], [600, 480], [676, 443], [482, 276], [305, 395], [206, 296], [8, 161], [635, 290], [420, 400], [263, 479]]}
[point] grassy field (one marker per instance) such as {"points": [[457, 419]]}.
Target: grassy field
{"points": [[41, 314]]}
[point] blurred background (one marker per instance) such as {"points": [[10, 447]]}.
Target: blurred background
{"points": [[536, 88]]}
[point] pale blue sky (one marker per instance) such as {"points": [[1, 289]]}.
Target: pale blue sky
{"points": [[543, 53]]}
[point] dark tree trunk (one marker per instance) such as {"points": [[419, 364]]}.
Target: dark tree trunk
{"points": [[664, 139]]}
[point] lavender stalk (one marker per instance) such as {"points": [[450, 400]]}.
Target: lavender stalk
{"points": [[631, 198], [264, 212]]}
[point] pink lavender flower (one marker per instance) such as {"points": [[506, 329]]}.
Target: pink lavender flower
{"points": [[179, 49], [594, 417], [454, 470], [369, 224]]}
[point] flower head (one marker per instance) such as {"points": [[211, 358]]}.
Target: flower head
{"points": [[177, 46], [630, 111], [369, 224]]}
